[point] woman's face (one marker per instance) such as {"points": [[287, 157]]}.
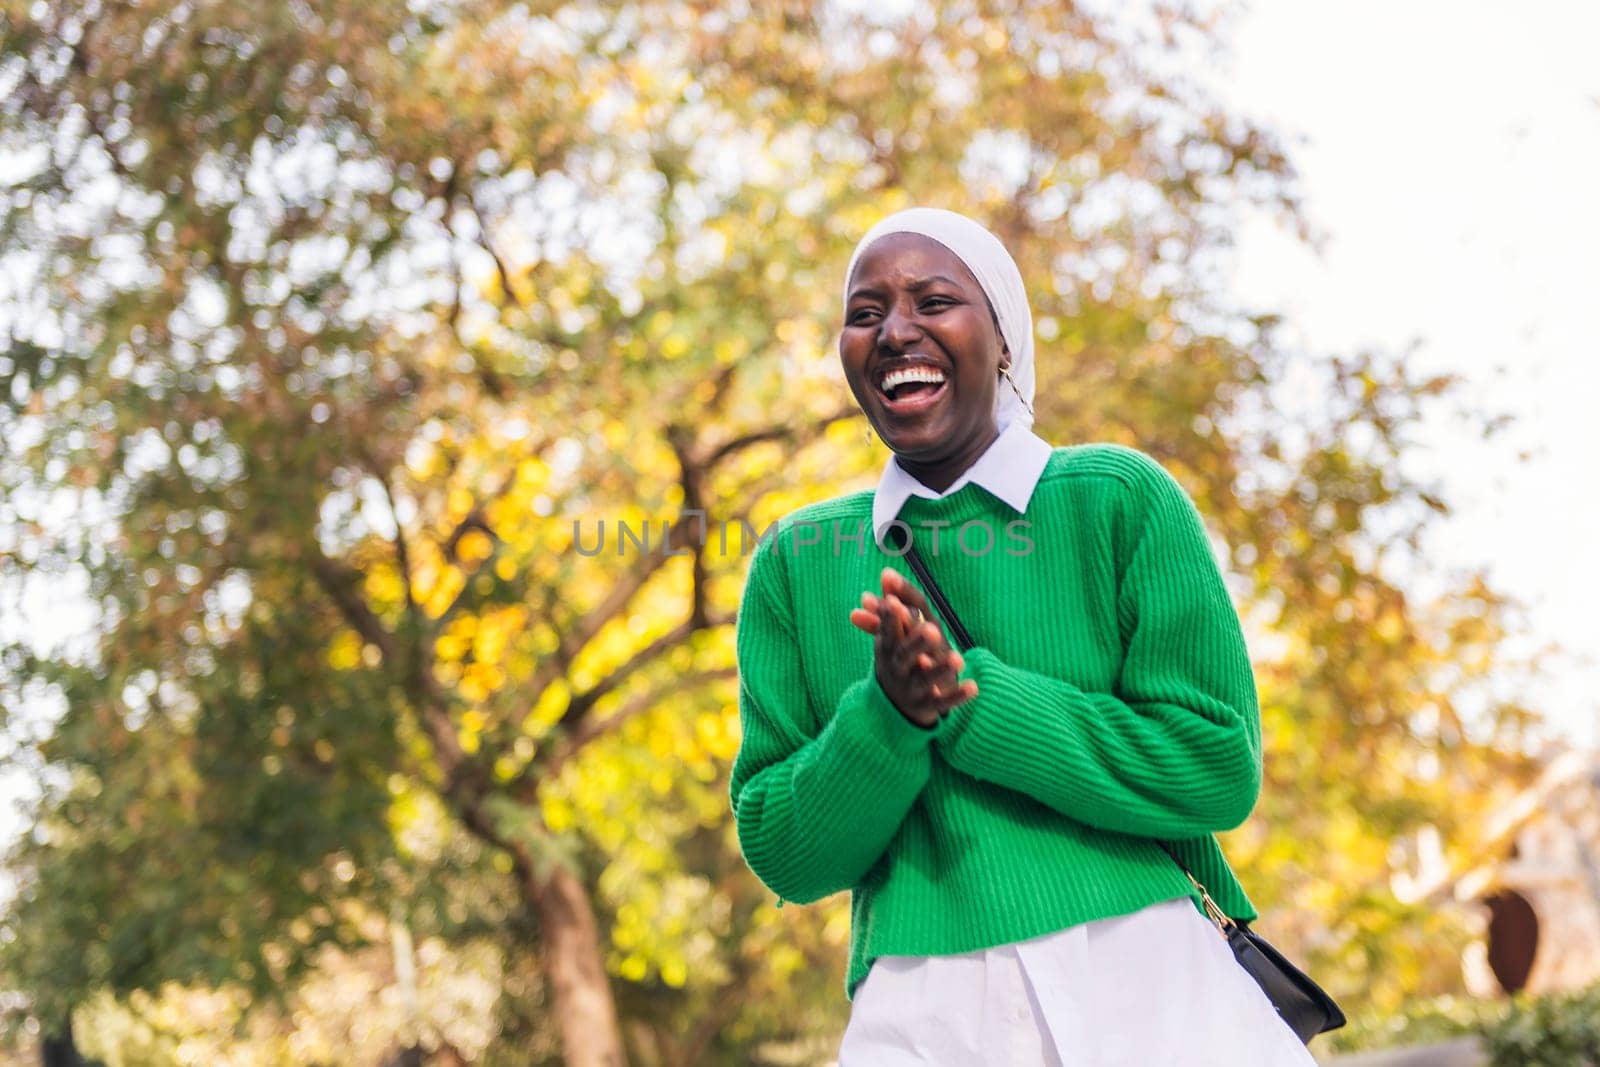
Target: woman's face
{"points": [[922, 353]]}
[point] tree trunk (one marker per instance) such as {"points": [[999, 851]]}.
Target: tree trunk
{"points": [[575, 973], [59, 1050], [574, 970]]}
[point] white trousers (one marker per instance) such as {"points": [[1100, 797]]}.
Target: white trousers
{"points": [[1158, 988]]}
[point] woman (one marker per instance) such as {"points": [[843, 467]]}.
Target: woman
{"points": [[996, 817]]}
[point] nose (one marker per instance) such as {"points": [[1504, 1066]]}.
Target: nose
{"points": [[898, 329]]}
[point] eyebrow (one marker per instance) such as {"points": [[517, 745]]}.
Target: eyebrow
{"points": [[914, 286]]}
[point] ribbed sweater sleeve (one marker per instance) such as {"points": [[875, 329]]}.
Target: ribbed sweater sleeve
{"points": [[814, 809], [1174, 750]]}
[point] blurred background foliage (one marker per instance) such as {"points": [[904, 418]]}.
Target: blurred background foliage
{"points": [[335, 331]]}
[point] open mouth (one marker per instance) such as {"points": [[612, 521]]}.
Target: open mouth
{"points": [[907, 390]]}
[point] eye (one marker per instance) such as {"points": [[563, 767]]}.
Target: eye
{"points": [[860, 316], [937, 303]]}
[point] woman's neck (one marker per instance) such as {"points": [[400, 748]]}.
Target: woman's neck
{"points": [[941, 474]]}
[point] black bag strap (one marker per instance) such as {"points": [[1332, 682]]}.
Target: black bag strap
{"points": [[899, 537]]}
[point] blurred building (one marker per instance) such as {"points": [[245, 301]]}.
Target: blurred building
{"points": [[1536, 882], [1543, 892]]}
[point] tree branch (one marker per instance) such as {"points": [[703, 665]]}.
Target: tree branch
{"points": [[574, 641], [579, 707], [488, 246], [339, 582], [591, 729], [798, 434], [402, 548], [476, 520], [681, 439]]}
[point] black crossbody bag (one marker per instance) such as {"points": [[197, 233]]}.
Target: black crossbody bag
{"points": [[1301, 1003]]}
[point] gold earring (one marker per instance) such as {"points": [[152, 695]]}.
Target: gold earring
{"points": [[1005, 372]]}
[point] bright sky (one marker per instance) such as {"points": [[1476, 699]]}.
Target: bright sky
{"points": [[1450, 154]]}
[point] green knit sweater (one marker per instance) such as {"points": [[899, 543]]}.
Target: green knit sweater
{"points": [[1115, 707]]}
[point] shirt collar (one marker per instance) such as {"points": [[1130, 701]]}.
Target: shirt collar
{"points": [[1009, 469]]}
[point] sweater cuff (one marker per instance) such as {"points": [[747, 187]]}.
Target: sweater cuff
{"points": [[978, 660], [881, 722]]}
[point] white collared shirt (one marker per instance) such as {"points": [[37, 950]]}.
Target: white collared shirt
{"points": [[1157, 986], [1009, 468]]}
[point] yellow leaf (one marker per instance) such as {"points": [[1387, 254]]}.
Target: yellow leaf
{"points": [[551, 706], [474, 547], [558, 814], [344, 653], [471, 686], [674, 973]]}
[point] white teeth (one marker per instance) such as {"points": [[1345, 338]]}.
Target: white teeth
{"points": [[894, 379]]}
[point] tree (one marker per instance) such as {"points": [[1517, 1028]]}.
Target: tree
{"points": [[343, 328]]}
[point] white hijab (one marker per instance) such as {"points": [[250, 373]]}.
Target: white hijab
{"points": [[996, 272]]}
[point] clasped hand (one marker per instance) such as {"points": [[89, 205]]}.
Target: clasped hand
{"points": [[916, 668]]}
